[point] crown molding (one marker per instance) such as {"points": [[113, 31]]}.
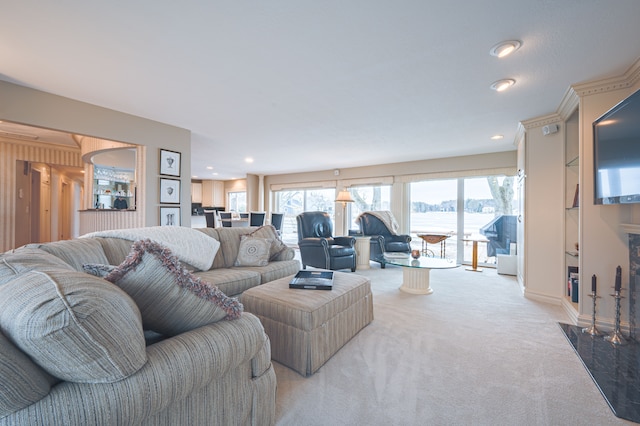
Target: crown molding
{"points": [[542, 121], [569, 103], [624, 81]]}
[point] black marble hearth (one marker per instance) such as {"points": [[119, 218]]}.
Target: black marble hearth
{"points": [[613, 368]]}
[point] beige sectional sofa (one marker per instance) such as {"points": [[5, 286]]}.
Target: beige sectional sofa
{"points": [[75, 349]]}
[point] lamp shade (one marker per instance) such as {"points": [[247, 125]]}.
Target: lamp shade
{"points": [[344, 197]]}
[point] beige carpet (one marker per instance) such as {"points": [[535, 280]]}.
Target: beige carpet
{"points": [[475, 352]]}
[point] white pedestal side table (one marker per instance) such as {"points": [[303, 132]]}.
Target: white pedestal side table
{"points": [[363, 250], [415, 272]]}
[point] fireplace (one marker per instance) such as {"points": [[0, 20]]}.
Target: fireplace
{"points": [[634, 281]]}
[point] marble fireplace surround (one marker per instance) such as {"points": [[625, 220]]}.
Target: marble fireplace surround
{"points": [[634, 278]]}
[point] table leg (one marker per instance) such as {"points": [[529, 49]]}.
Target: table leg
{"points": [[416, 281], [474, 259]]}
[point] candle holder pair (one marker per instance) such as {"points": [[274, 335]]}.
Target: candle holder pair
{"points": [[616, 337]]}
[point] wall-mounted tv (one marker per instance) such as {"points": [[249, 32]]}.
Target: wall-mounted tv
{"points": [[616, 153]]}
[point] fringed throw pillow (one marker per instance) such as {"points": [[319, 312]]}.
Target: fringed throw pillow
{"points": [[170, 298]]}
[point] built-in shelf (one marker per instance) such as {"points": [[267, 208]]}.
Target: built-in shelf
{"points": [[574, 162], [572, 253]]}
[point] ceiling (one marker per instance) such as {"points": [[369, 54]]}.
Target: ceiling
{"points": [[307, 85]]}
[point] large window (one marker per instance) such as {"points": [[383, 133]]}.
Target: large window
{"points": [[367, 198], [294, 202], [237, 201], [438, 209], [434, 212]]}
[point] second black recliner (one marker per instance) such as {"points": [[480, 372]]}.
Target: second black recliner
{"points": [[318, 248]]}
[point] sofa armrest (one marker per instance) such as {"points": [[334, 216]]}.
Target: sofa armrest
{"points": [[176, 368]]}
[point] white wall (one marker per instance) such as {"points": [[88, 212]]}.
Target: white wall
{"points": [[544, 211]]}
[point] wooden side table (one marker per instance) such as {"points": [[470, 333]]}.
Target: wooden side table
{"points": [[363, 251], [474, 255], [434, 238]]}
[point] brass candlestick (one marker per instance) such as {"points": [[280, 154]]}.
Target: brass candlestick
{"points": [[616, 337], [593, 330]]}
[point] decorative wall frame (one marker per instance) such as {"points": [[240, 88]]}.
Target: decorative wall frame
{"points": [[169, 191], [170, 163], [170, 216]]}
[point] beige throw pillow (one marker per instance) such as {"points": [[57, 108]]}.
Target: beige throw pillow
{"points": [[253, 251], [170, 298]]}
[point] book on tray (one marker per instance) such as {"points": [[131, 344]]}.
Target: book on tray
{"points": [[313, 280]]}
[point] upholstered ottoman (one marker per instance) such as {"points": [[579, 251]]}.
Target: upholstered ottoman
{"points": [[306, 327]]}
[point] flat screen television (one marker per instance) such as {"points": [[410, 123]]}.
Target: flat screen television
{"points": [[616, 153]]}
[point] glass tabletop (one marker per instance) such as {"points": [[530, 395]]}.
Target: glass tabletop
{"points": [[422, 262]]}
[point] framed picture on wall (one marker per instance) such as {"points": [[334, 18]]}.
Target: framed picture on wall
{"points": [[169, 191], [169, 163], [170, 216]]}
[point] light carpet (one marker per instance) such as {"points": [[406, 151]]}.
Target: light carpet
{"points": [[475, 352]]}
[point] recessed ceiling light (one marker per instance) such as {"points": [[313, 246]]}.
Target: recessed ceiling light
{"points": [[501, 85], [209, 167], [248, 160], [497, 137], [505, 48], [214, 173]]}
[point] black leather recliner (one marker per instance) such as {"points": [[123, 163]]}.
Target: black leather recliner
{"points": [[382, 239], [501, 232], [318, 248]]}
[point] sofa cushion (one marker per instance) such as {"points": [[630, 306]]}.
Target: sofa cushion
{"points": [[170, 298], [23, 382], [253, 251], [77, 327], [25, 259], [232, 281], [272, 271], [77, 252]]}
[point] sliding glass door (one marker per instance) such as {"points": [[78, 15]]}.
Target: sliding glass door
{"points": [[445, 213], [434, 217]]}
